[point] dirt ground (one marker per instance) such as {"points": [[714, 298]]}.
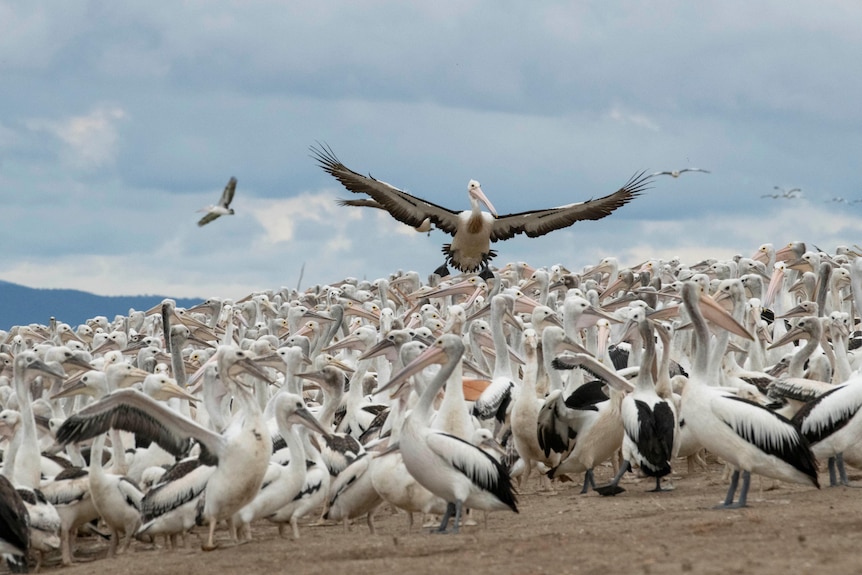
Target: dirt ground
{"points": [[786, 529]]}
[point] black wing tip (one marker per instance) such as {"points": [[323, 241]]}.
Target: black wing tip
{"points": [[638, 183], [324, 156]]}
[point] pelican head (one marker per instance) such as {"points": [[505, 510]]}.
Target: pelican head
{"points": [[477, 195]]}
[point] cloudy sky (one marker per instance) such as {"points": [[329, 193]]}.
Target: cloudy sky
{"points": [[121, 119]]}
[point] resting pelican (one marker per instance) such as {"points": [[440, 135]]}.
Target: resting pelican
{"points": [[746, 435], [223, 207], [676, 173], [240, 454], [450, 467], [473, 231]]}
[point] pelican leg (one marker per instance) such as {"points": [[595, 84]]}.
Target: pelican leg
{"points": [[450, 511], [842, 471], [613, 487], [442, 271], [457, 526], [589, 482], [743, 492], [833, 481], [731, 491], [210, 545]]}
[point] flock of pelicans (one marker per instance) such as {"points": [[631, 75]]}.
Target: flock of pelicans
{"points": [[433, 399]]}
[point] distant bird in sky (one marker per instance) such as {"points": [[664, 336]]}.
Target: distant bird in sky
{"points": [[840, 200], [425, 226], [474, 230], [676, 173], [790, 194], [223, 207]]}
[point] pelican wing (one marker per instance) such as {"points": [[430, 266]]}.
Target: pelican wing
{"points": [[13, 517], [829, 412], [131, 410], [360, 203], [540, 222], [402, 206], [767, 430], [210, 217], [227, 194], [483, 470]]}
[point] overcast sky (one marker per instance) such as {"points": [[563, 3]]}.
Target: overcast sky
{"points": [[118, 120]]}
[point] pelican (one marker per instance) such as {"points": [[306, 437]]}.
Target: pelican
{"points": [[473, 231], [223, 207], [649, 421], [676, 173], [450, 467], [748, 436], [241, 454]]}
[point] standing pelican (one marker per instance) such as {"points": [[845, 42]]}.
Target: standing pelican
{"points": [[473, 231], [240, 454], [450, 467], [223, 207], [746, 435]]}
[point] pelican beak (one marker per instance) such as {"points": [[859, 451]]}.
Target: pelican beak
{"points": [[791, 335], [430, 356], [77, 388], [168, 389], [54, 369], [249, 366], [379, 348], [719, 316], [307, 419], [774, 285], [476, 192]]}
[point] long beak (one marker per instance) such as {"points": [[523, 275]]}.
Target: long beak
{"points": [[600, 369], [791, 335], [430, 356], [169, 388], [51, 369], [719, 316], [480, 195], [307, 419], [250, 367], [77, 388]]}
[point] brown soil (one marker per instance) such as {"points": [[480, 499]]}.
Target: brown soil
{"points": [[787, 529]]}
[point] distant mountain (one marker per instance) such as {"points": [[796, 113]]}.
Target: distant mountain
{"points": [[21, 305]]}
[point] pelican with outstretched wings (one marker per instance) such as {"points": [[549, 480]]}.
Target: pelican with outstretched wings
{"points": [[473, 230]]}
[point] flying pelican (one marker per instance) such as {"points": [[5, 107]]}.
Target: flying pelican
{"points": [[473, 231], [676, 173], [450, 467], [241, 454], [784, 194], [223, 207]]}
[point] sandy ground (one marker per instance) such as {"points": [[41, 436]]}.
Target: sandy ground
{"points": [[786, 529]]}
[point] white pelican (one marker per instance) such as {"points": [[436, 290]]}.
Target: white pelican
{"points": [[473, 231], [746, 435], [649, 421], [450, 467], [223, 207], [283, 482], [241, 454], [116, 497]]}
